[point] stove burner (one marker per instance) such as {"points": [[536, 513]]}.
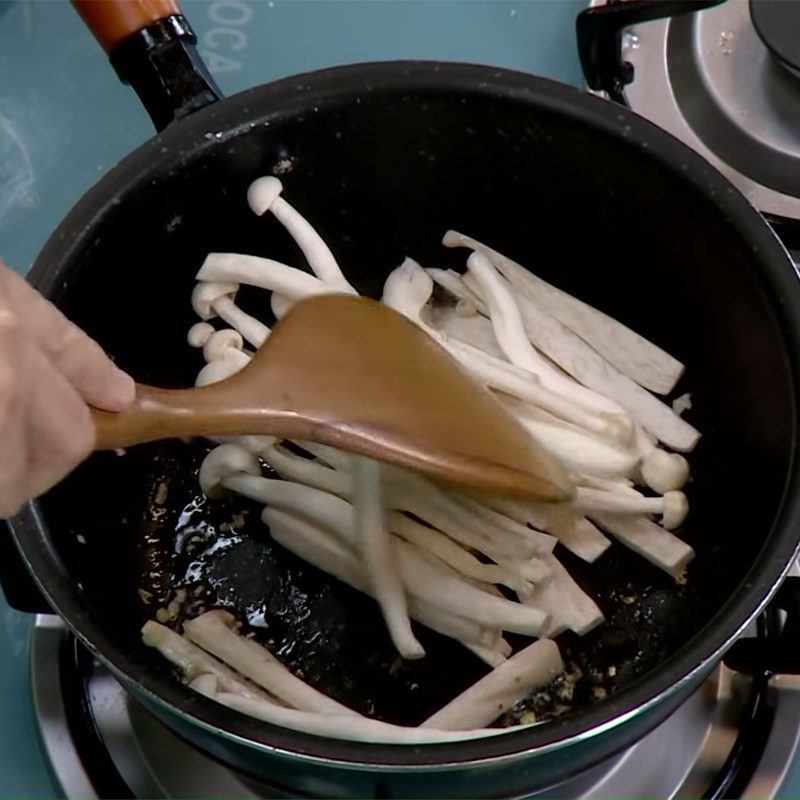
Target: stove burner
{"points": [[777, 23], [721, 79], [732, 738]]}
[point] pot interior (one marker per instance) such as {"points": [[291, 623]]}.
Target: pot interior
{"points": [[382, 173]]}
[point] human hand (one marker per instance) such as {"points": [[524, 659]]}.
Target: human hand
{"points": [[51, 372]]}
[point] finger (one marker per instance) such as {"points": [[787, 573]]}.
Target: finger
{"points": [[45, 426], [77, 356], [60, 430]]}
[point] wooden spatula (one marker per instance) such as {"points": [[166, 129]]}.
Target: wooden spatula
{"points": [[349, 372]]}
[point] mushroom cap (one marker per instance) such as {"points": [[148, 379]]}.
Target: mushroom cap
{"points": [[676, 507], [221, 463], [206, 292], [220, 343], [408, 288], [198, 334], [222, 368], [663, 471], [263, 192]]}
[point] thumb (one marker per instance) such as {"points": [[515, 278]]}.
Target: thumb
{"points": [[74, 354]]}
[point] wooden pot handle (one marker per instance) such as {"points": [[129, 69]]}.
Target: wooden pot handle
{"points": [[112, 21]]}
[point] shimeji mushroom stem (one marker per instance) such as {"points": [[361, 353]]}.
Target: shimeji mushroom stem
{"points": [[569, 607], [572, 377], [672, 507], [651, 541], [513, 340], [578, 359], [426, 502], [420, 577], [194, 661], [578, 450], [212, 631], [374, 547], [531, 668], [514, 382], [356, 729], [261, 272], [251, 329], [264, 195], [629, 352], [321, 548], [218, 682]]}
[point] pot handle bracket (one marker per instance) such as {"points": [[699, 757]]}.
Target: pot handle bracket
{"points": [[778, 653], [152, 48], [599, 31]]}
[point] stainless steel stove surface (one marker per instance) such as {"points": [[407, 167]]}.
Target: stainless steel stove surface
{"points": [[64, 120], [725, 81], [721, 739]]}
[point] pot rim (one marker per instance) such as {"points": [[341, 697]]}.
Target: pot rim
{"points": [[282, 99]]}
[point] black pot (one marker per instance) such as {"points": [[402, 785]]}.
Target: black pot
{"points": [[383, 158]]}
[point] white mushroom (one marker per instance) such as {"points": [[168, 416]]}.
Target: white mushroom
{"points": [[351, 728], [576, 380], [318, 546], [569, 607], [513, 381], [660, 470], [482, 703], [420, 577], [672, 507], [577, 358], [194, 662], [629, 352], [262, 272], [220, 344], [649, 540], [205, 293], [578, 450], [407, 289], [375, 549], [223, 462], [264, 195], [198, 334], [513, 340], [212, 631], [251, 329], [222, 368], [280, 304]]}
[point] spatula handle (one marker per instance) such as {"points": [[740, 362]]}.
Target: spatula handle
{"points": [[154, 414], [175, 413], [112, 21]]}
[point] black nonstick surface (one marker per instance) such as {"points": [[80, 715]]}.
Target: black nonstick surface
{"points": [[221, 554], [383, 175]]}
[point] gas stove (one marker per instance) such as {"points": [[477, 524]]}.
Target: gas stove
{"points": [[723, 80], [735, 737], [68, 729]]}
